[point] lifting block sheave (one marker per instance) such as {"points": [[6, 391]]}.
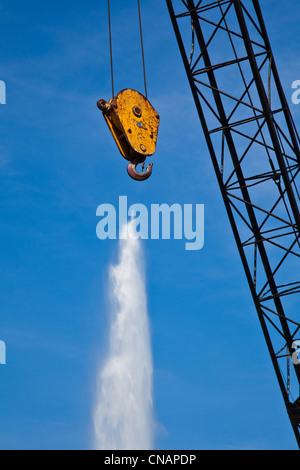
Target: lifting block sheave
{"points": [[133, 123]]}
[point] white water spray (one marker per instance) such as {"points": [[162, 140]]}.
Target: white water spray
{"points": [[123, 415]]}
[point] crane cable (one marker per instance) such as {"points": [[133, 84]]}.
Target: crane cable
{"points": [[111, 52], [142, 47]]}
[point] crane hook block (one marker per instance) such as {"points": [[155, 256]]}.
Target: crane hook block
{"points": [[133, 123]]}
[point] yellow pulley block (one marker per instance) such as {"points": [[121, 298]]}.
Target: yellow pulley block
{"points": [[134, 124]]}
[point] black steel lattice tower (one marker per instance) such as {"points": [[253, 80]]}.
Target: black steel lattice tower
{"points": [[254, 146]]}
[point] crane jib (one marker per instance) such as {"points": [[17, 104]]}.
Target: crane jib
{"points": [[254, 147]]}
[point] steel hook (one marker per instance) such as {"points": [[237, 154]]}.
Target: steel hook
{"points": [[136, 175]]}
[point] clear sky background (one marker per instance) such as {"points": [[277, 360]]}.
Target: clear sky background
{"points": [[214, 385]]}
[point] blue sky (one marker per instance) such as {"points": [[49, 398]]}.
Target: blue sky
{"points": [[214, 385]]}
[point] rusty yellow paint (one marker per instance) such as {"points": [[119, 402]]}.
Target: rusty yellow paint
{"points": [[133, 123]]}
